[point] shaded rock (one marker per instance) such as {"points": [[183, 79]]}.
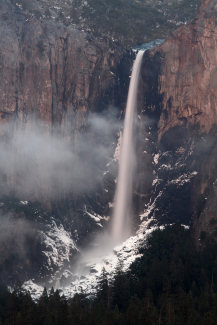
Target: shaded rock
{"points": [[179, 118]]}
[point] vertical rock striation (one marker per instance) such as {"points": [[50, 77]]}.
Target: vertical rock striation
{"points": [[54, 71], [188, 77], [180, 105]]}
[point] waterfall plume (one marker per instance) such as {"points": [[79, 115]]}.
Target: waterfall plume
{"points": [[127, 161]]}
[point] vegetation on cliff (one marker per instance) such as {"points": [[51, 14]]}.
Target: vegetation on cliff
{"points": [[129, 22], [135, 22]]}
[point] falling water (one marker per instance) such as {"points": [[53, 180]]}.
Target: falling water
{"points": [[123, 196]]}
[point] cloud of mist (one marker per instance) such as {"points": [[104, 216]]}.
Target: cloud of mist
{"points": [[35, 163], [13, 237]]}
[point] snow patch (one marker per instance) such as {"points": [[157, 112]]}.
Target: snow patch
{"points": [[24, 202], [155, 181], [124, 254], [150, 207], [183, 179], [34, 289], [96, 217], [58, 245], [156, 158], [118, 147], [164, 166]]}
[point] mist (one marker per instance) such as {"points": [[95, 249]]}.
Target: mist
{"points": [[13, 236], [37, 163]]}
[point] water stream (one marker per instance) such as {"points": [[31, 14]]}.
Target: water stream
{"points": [[127, 161]]}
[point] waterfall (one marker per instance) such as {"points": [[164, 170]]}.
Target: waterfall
{"points": [[105, 242], [127, 161]]}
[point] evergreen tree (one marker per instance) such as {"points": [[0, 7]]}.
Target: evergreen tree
{"points": [[172, 283], [103, 293], [120, 288]]}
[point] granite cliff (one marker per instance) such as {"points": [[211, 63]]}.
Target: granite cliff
{"points": [[58, 73], [188, 74], [180, 102], [51, 70]]}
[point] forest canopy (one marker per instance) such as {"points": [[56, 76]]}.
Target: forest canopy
{"points": [[173, 282]]}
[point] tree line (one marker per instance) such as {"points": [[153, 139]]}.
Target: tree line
{"points": [[174, 282]]}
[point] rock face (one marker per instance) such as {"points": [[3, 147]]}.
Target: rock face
{"points": [[187, 80], [33, 243], [180, 109], [57, 73], [54, 71], [189, 75]]}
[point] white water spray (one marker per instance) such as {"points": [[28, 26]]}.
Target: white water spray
{"points": [[127, 161]]}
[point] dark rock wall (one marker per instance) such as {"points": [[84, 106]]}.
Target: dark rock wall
{"points": [[179, 115], [59, 74], [55, 72], [188, 74]]}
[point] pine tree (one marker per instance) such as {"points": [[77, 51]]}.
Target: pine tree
{"points": [[103, 294], [120, 288], [133, 311]]}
